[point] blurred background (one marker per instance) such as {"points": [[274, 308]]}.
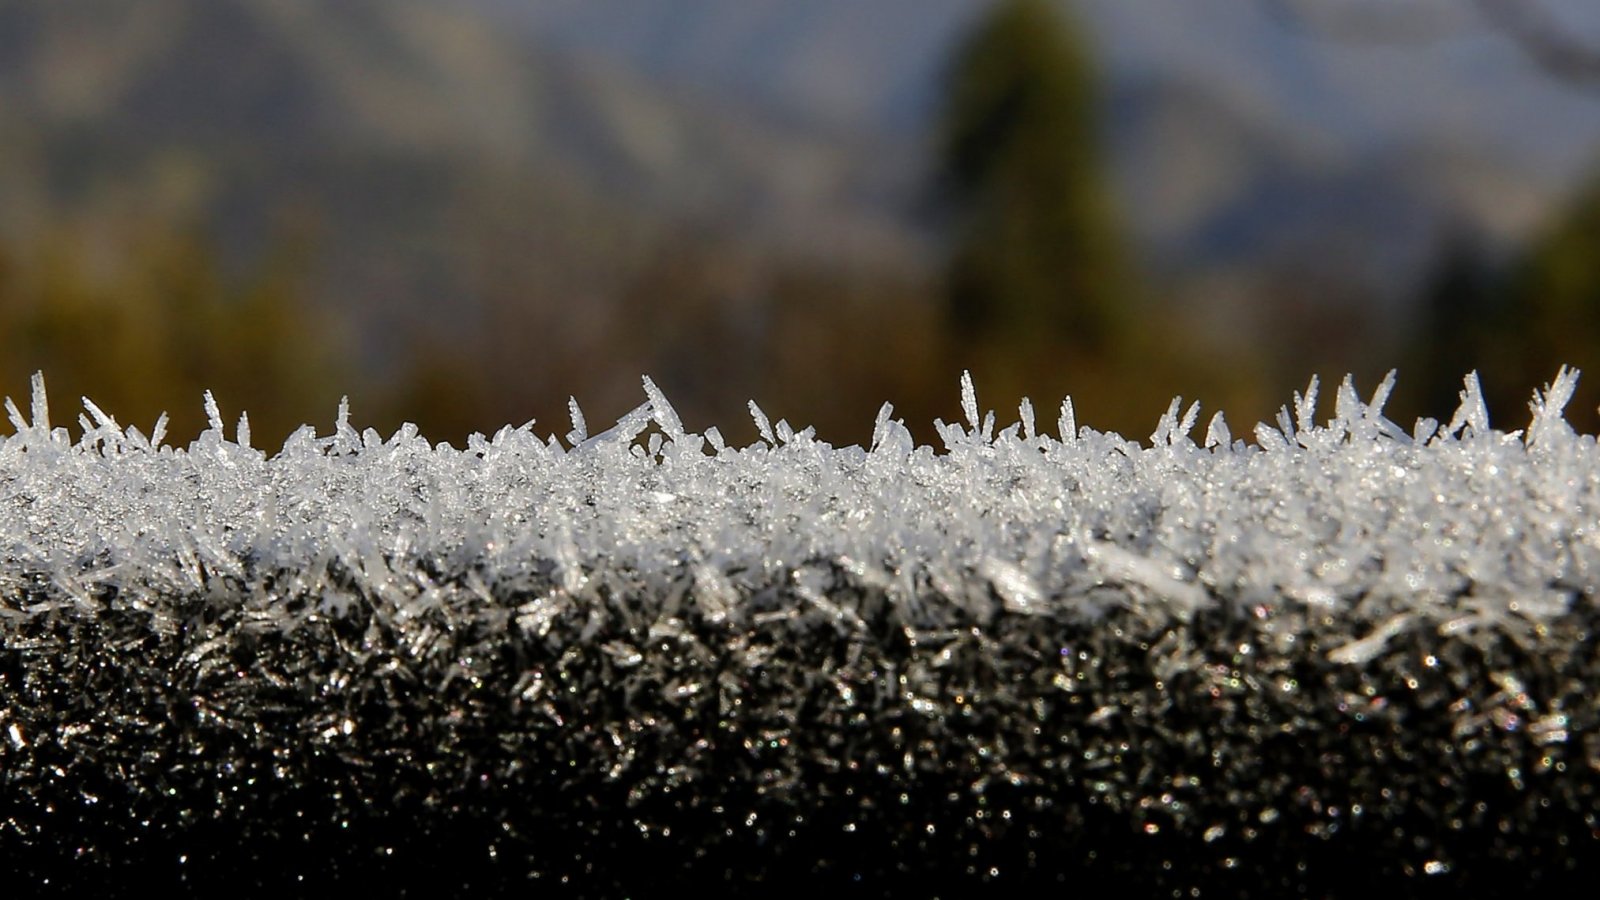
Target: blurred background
{"points": [[459, 213]]}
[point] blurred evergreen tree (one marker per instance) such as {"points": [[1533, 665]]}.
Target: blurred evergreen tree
{"points": [[1038, 255], [1459, 311], [1516, 324], [1552, 313]]}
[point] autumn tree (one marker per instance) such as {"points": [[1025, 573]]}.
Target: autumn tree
{"points": [[163, 323]]}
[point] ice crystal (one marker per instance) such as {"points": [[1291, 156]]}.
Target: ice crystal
{"points": [[1352, 511], [1075, 626]]}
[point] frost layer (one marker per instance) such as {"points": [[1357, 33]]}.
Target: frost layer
{"points": [[1212, 648], [1454, 526]]}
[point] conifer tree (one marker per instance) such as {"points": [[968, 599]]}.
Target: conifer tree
{"points": [[1037, 255], [1516, 323], [1552, 313]]}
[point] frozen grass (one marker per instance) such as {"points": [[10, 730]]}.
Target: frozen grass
{"points": [[1219, 650]]}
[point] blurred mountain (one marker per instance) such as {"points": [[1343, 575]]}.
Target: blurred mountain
{"points": [[1237, 133], [418, 139], [796, 125], [839, 63]]}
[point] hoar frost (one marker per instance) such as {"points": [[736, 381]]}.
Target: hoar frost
{"points": [[1450, 526], [977, 661]]}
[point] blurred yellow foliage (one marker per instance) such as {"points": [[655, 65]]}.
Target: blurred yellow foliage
{"points": [[149, 328]]}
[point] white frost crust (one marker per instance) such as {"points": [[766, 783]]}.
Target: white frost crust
{"points": [[1450, 528]]}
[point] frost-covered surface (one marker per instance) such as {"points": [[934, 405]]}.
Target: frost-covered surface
{"points": [[1455, 525], [1033, 650]]}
